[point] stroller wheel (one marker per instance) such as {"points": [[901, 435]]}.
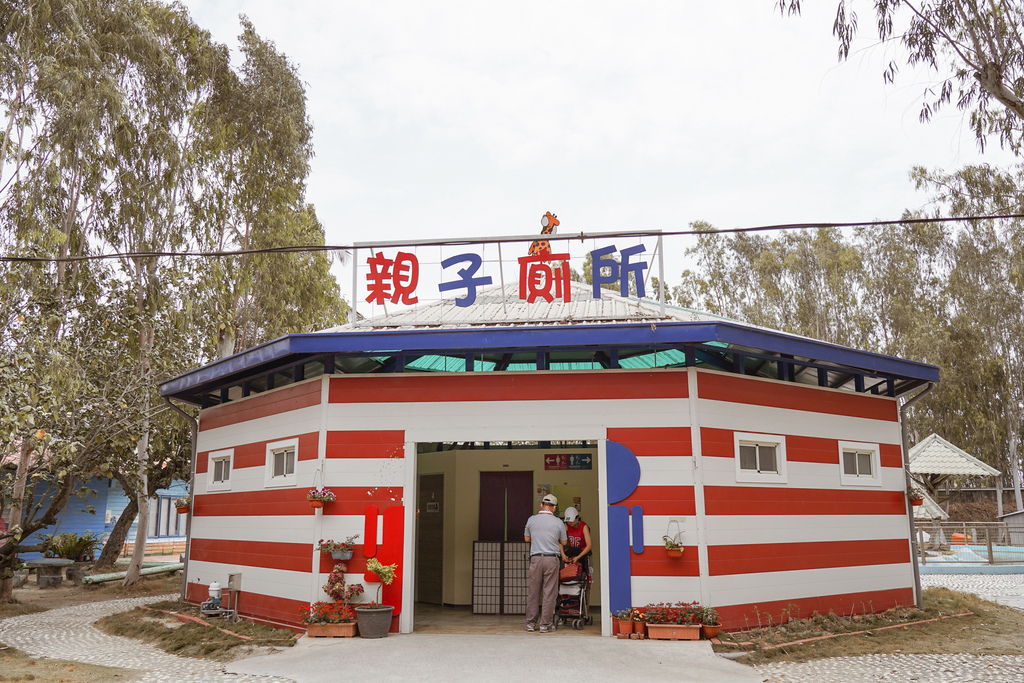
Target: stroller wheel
{"points": [[577, 624]]}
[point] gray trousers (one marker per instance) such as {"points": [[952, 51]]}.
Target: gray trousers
{"points": [[542, 593]]}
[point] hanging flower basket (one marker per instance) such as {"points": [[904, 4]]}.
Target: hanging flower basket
{"points": [[318, 496], [183, 505]]}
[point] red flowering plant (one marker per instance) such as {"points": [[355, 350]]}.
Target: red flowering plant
{"points": [[678, 613], [336, 587], [327, 613]]}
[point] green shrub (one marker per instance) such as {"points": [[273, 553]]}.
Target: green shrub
{"points": [[71, 546]]}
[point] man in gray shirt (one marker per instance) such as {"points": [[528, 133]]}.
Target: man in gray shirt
{"points": [[546, 535]]}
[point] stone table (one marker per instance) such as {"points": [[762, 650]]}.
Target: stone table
{"points": [[49, 570]]}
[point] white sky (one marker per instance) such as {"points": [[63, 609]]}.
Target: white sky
{"points": [[443, 119]]}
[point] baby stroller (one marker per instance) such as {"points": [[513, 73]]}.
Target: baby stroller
{"points": [[573, 584]]}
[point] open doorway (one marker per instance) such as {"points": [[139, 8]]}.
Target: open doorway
{"points": [[473, 493]]}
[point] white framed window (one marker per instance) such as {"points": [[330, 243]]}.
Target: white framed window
{"points": [[760, 458], [281, 458], [859, 464], [218, 472]]}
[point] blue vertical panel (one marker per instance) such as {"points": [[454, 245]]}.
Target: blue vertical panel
{"points": [[620, 593], [638, 529]]}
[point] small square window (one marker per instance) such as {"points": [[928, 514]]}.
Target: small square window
{"points": [[221, 470], [218, 472], [284, 462], [859, 464], [760, 458], [281, 461]]}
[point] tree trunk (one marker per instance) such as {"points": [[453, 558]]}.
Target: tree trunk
{"points": [[1015, 471], [16, 518], [999, 495], [115, 543], [142, 499]]}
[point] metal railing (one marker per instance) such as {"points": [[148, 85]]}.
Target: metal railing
{"points": [[968, 543]]}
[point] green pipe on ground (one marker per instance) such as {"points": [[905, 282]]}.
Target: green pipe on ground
{"points": [[116, 576]]}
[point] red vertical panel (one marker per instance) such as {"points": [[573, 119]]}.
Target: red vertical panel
{"points": [[370, 532]]}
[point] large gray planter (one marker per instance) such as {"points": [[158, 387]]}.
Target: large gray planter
{"points": [[374, 622]]}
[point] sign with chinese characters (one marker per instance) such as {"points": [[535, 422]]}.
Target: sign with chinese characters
{"points": [[395, 277]]}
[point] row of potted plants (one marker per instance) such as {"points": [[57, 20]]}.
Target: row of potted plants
{"points": [[340, 618], [672, 621]]}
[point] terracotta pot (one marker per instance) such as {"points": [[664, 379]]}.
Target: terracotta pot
{"points": [[183, 511], [673, 631], [316, 503], [346, 630], [711, 630], [917, 501], [674, 552], [625, 625]]}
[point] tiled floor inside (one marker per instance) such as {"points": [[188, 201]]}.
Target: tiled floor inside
{"points": [[448, 619]]}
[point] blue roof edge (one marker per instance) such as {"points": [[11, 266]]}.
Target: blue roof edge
{"points": [[548, 338]]}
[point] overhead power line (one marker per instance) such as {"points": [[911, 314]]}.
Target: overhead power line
{"points": [[457, 241]]}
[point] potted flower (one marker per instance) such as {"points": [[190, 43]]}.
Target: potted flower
{"points": [[916, 497], [666, 621], [673, 547], [338, 589], [639, 621], [711, 625], [328, 619], [339, 550], [183, 505], [318, 496], [625, 619], [375, 619]]}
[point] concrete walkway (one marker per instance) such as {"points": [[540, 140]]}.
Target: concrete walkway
{"points": [[68, 633], [499, 658]]}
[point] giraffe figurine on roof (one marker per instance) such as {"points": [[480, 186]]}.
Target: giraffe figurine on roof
{"points": [[549, 226]]}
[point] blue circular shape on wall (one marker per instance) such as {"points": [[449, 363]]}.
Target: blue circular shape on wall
{"points": [[623, 471]]}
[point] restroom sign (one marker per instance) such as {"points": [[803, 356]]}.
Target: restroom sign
{"points": [[580, 461], [568, 461], [556, 461]]}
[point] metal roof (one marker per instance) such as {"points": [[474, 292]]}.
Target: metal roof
{"points": [[501, 306], [501, 333], [935, 455]]}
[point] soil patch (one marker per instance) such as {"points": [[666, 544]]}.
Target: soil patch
{"points": [[220, 640], [68, 594], [992, 629], [15, 665]]}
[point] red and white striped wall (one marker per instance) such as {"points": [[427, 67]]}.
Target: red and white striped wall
{"points": [[751, 548]]}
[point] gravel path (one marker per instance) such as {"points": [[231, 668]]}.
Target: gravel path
{"points": [[1006, 589], [68, 633]]}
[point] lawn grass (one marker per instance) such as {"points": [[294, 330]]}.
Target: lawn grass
{"points": [[993, 629]]}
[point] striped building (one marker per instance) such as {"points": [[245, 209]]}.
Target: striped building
{"points": [[775, 460]]}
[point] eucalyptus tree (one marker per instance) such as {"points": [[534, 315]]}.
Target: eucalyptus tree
{"points": [[258, 145], [975, 48], [805, 282], [985, 289]]}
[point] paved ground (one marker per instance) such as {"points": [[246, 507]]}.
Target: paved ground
{"points": [[68, 634]]}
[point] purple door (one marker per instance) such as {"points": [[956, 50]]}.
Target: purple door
{"points": [[506, 502]]}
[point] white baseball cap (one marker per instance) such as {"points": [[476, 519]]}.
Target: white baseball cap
{"points": [[571, 514], [549, 500]]}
